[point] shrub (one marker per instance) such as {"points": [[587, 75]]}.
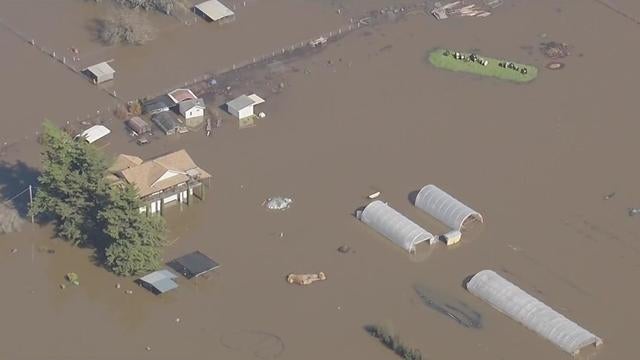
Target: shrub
{"points": [[128, 27], [393, 342]]}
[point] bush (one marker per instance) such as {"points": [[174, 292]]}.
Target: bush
{"points": [[128, 27], [166, 7], [134, 107], [393, 343]]}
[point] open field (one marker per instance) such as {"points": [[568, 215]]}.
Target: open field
{"points": [[444, 59], [536, 160]]}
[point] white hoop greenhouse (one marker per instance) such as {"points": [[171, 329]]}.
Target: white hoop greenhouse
{"points": [[445, 207], [394, 226], [530, 312]]}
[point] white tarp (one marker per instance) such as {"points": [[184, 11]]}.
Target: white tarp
{"points": [[95, 133], [530, 312], [395, 226], [444, 207]]}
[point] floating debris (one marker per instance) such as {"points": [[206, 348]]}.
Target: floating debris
{"points": [[305, 279], [117, 285], [554, 50], [374, 195], [47, 250], [555, 65], [344, 249], [128, 292], [609, 196], [62, 286], [14, 251], [634, 211], [278, 203], [73, 278], [463, 8]]}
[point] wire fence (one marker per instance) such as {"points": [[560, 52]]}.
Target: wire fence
{"points": [[204, 81]]}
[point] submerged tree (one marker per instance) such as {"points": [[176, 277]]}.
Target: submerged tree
{"points": [[135, 239], [127, 27], [71, 187]]}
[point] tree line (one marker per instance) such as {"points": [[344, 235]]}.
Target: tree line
{"points": [[87, 211]]}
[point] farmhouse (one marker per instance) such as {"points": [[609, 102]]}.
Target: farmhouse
{"points": [[168, 179], [242, 106], [215, 11]]}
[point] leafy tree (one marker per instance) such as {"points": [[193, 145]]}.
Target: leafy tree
{"points": [[135, 239], [71, 187]]}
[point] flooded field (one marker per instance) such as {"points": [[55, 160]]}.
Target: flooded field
{"points": [[365, 114]]}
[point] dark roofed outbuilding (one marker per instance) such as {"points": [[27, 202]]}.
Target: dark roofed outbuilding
{"points": [[158, 104], [194, 264], [167, 121]]}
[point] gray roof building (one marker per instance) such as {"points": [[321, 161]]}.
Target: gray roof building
{"points": [[159, 281], [215, 11], [167, 121], [100, 73]]}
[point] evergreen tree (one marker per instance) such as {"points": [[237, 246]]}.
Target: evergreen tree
{"points": [[135, 239], [71, 187]]}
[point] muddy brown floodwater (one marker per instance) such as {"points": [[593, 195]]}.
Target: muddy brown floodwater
{"points": [[365, 114]]}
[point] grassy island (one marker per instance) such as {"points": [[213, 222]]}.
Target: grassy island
{"points": [[480, 65]]}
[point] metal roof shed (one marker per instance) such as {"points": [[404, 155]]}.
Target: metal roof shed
{"points": [[215, 11], [194, 264], [166, 121], [444, 207], [94, 133], [159, 282], [242, 106], [138, 125], [100, 73], [530, 312], [395, 226]]}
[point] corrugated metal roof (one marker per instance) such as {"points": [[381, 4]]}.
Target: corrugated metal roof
{"points": [[240, 102], [530, 312], [161, 280], [214, 9], [101, 69]]}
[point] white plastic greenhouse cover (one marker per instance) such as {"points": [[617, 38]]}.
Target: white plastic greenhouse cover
{"points": [[444, 207], [395, 226], [531, 312]]}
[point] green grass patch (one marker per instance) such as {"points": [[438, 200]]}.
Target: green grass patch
{"points": [[445, 59]]}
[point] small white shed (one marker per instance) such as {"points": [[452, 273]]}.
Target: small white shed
{"points": [[94, 133], [242, 106], [100, 73], [190, 109], [215, 11]]}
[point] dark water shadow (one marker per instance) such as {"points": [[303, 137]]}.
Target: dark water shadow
{"points": [[413, 196], [15, 178], [455, 309]]}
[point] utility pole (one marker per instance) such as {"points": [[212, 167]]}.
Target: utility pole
{"points": [[31, 203]]}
